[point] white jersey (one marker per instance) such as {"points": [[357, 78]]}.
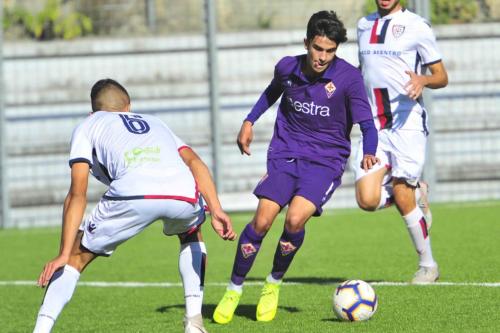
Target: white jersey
{"points": [[389, 46], [136, 155]]}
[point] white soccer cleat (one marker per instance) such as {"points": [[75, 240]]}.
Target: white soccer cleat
{"points": [[194, 324], [423, 203], [426, 275]]}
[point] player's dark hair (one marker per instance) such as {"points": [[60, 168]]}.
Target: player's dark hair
{"points": [[326, 23], [102, 85]]}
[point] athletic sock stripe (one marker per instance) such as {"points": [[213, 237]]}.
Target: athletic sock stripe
{"points": [[423, 226], [203, 267]]}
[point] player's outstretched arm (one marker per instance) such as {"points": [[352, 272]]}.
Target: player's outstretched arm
{"points": [[266, 99], [74, 208], [370, 143], [245, 137], [220, 220]]}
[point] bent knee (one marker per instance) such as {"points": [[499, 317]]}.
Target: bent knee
{"points": [[261, 225], [367, 203], [367, 206], [295, 223]]}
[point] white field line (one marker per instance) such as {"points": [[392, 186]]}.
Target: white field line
{"points": [[103, 284]]}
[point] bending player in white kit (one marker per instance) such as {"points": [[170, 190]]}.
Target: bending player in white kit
{"points": [[152, 175], [396, 47]]}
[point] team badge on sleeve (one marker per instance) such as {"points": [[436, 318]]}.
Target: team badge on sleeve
{"points": [[330, 89], [398, 30]]}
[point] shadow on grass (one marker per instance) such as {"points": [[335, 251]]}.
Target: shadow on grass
{"points": [[306, 280], [316, 280], [243, 310], [167, 308], [333, 320]]}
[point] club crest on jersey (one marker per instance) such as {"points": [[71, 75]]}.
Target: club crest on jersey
{"points": [[247, 250], [286, 248], [330, 89], [398, 30]]}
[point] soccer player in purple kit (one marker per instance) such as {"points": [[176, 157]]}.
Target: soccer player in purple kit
{"points": [[322, 97]]}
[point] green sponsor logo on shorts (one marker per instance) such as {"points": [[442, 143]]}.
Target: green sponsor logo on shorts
{"points": [[141, 155]]}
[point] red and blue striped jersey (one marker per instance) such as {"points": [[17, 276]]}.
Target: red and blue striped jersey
{"points": [[388, 47]]}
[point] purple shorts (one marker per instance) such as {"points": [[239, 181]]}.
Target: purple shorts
{"points": [[287, 178]]}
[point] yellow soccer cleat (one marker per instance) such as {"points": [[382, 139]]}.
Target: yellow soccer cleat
{"points": [[224, 311], [268, 303]]}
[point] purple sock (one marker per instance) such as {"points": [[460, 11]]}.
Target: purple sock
{"points": [[288, 245], [248, 247]]}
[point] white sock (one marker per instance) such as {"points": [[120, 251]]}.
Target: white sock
{"points": [[236, 287], [386, 197], [59, 292], [270, 279], [415, 222], [192, 268]]}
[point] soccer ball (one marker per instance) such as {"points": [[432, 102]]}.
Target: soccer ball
{"points": [[354, 300]]}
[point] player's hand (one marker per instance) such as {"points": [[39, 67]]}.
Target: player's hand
{"points": [[369, 161], [245, 137], [50, 268], [415, 86], [222, 225]]}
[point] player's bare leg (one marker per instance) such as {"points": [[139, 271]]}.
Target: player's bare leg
{"points": [[265, 215], [299, 212], [61, 286], [370, 194], [192, 261], [248, 247], [404, 195]]}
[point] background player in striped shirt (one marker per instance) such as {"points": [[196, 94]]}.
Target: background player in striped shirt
{"points": [[396, 47], [322, 96], [151, 175]]}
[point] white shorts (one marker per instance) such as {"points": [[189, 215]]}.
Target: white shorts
{"points": [[402, 152], [113, 222]]}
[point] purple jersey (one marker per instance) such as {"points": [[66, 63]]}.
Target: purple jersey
{"points": [[314, 118]]}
